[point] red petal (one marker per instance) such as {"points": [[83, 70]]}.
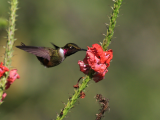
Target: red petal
{"points": [[8, 84], [99, 76], [3, 96], [84, 68], [13, 75], [94, 62], [109, 55], [97, 50], [3, 69]]}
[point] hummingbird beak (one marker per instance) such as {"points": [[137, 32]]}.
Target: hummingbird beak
{"points": [[83, 50]]}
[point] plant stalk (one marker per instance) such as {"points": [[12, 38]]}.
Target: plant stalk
{"points": [[9, 45]]}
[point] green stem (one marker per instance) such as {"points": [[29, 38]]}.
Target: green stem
{"points": [[9, 45], [86, 79], [75, 96], [112, 24]]}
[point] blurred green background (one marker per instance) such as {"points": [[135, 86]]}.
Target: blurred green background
{"points": [[132, 83]]}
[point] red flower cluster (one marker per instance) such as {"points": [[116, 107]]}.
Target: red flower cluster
{"points": [[13, 75], [98, 60]]}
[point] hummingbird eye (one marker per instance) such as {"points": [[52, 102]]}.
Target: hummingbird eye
{"points": [[70, 46]]}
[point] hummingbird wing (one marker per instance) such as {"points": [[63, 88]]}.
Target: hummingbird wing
{"points": [[38, 51]]}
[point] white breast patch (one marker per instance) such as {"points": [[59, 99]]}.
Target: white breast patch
{"points": [[61, 53]]}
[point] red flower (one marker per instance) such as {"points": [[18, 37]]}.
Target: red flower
{"points": [[98, 60], [3, 96], [13, 75], [3, 69]]}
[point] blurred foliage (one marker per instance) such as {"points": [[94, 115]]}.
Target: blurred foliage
{"points": [[132, 83], [3, 23]]}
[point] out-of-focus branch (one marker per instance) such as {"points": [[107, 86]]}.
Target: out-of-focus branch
{"points": [[9, 46]]}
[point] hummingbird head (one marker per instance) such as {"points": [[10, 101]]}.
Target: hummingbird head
{"points": [[71, 48]]}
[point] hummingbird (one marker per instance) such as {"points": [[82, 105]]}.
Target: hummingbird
{"points": [[51, 57]]}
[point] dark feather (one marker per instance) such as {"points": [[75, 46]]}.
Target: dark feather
{"points": [[22, 44], [55, 45], [38, 51]]}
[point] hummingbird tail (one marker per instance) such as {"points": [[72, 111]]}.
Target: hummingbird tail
{"points": [[55, 45], [22, 44]]}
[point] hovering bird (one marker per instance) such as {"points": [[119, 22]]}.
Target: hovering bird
{"points": [[50, 57]]}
